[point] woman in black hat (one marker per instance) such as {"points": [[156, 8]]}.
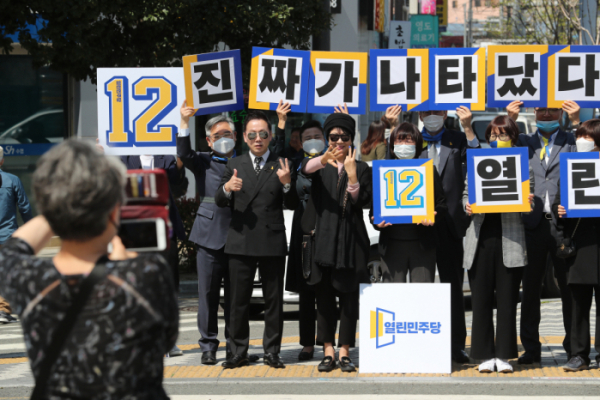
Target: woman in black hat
{"points": [[341, 189]]}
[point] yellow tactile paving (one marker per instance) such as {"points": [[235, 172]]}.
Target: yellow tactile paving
{"points": [[15, 360]]}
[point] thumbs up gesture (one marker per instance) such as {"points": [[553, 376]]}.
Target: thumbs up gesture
{"points": [[234, 184]]}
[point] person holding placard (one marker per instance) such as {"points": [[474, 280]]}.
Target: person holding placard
{"points": [[584, 267], [448, 150], [313, 143], [545, 146], [410, 247], [341, 188], [495, 254]]}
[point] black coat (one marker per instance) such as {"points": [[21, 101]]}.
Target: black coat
{"points": [[323, 202], [584, 267], [425, 235], [453, 153], [257, 225]]}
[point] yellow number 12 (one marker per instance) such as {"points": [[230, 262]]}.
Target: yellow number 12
{"points": [[407, 198]]}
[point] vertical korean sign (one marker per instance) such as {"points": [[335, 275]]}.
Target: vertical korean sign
{"points": [[213, 82], [424, 30], [399, 35]]}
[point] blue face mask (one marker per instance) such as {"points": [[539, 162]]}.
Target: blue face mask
{"points": [[547, 126]]}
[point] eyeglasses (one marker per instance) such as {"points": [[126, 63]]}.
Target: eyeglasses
{"points": [[335, 138], [548, 111], [503, 137], [220, 135], [263, 135]]}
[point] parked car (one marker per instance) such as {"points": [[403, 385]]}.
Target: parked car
{"points": [[46, 126]]}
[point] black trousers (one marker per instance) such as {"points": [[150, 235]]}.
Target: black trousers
{"points": [[580, 323], [327, 315], [449, 258], [541, 242], [172, 257], [306, 319], [213, 269], [242, 270], [402, 256], [488, 274]]}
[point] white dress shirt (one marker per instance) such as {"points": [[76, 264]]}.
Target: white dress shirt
{"points": [[261, 166], [147, 162], [183, 133]]}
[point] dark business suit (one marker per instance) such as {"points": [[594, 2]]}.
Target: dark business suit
{"points": [[209, 233], [175, 177], [542, 236], [256, 238], [451, 228]]}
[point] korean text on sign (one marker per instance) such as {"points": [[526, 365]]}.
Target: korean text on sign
{"points": [[580, 184]]}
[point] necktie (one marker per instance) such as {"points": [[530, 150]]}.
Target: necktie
{"points": [[433, 153], [257, 162], [544, 151]]}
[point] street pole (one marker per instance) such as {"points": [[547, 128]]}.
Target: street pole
{"points": [[470, 23], [322, 41], [466, 26]]}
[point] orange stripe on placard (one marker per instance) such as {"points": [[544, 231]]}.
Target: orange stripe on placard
{"points": [[252, 103]]}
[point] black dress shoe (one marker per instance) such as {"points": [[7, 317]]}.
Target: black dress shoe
{"points": [[346, 365], [305, 355], [273, 360], [529, 358], [576, 364], [236, 361], [460, 357], [253, 358], [327, 365], [209, 358]]}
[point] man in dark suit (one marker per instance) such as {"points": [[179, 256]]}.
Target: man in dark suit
{"points": [[175, 173], [545, 146], [256, 186], [448, 149]]}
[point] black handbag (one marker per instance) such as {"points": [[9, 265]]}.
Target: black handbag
{"points": [[566, 248], [65, 326]]}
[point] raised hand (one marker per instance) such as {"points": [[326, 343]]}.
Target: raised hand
{"points": [[331, 156], [561, 211], [283, 172], [465, 116], [234, 184], [341, 109], [350, 166], [282, 111], [513, 109], [427, 222], [186, 112], [572, 109], [392, 113]]}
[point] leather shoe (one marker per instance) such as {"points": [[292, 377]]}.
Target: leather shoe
{"points": [[273, 360], [251, 357], [327, 365], [529, 358], [236, 361], [576, 364], [346, 365], [460, 357], [209, 358], [305, 355]]}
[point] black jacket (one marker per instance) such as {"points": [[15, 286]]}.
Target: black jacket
{"points": [[257, 225]]}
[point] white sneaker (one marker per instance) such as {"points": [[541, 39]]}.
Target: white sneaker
{"points": [[488, 366], [503, 366]]}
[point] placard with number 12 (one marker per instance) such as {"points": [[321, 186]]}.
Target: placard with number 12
{"points": [[138, 110], [403, 191]]}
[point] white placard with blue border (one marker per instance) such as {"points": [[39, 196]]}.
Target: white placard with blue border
{"points": [[138, 110], [398, 339], [580, 184], [498, 180], [403, 191]]}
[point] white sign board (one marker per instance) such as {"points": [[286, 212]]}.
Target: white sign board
{"points": [[397, 338], [399, 35], [138, 110]]}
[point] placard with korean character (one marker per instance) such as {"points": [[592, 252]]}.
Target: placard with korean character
{"points": [[279, 74], [213, 82], [458, 78], [517, 73], [574, 74], [498, 180], [403, 191], [138, 110], [336, 78], [580, 184], [399, 77]]}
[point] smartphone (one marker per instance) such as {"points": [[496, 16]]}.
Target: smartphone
{"points": [[148, 234]]}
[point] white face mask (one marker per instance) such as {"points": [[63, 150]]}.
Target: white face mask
{"points": [[387, 133], [433, 123], [223, 146], [584, 145], [404, 151], [313, 146]]}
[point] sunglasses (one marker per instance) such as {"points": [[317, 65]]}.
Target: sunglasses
{"points": [[263, 135], [334, 138]]}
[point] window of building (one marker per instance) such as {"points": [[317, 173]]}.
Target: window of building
{"points": [[454, 4], [477, 3]]}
